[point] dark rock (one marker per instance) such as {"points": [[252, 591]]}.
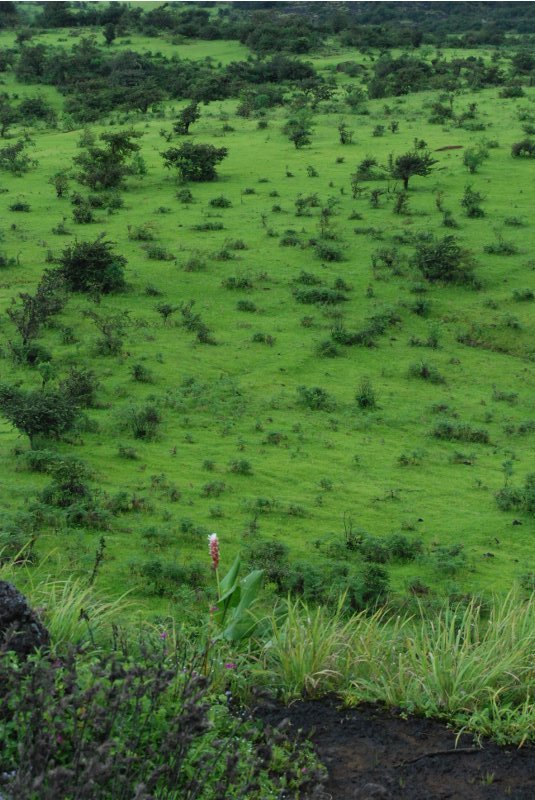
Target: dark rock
{"points": [[20, 628]]}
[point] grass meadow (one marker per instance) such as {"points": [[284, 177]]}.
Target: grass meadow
{"points": [[311, 474]]}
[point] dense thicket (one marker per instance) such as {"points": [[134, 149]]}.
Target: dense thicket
{"points": [[296, 27]]}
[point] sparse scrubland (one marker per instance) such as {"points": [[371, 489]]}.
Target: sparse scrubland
{"points": [[268, 274]]}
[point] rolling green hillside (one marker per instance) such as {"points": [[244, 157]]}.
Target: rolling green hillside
{"points": [[240, 448]]}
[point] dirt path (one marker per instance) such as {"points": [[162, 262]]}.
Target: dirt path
{"points": [[373, 753]]}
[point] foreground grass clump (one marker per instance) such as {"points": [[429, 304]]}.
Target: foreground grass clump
{"points": [[468, 664]]}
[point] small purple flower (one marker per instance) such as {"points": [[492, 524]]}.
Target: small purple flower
{"points": [[230, 665], [164, 635]]}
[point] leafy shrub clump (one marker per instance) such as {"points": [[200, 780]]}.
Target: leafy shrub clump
{"points": [[460, 432], [143, 726], [518, 499], [444, 261], [92, 266], [315, 398]]}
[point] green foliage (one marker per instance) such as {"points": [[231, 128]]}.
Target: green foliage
{"points": [[444, 260], [298, 129], [194, 162], [38, 413], [315, 398], [15, 159], [106, 167], [186, 118], [235, 599], [92, 267], [418, 162]]}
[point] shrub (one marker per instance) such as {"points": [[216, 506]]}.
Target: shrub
{"points": [[460, 432], [92, 266], [241, 467], [366, 396], [523, 295], [184, 196], [158, 253], [237, 282], [141, 374], [523, 149], [246, 305], [272, 558], [80, 386], [521, 499], [143, 421], [327, 252], [501, 247], [263, 338], [20, 205], [213, 489], [471, 202], [220, 202], [425, 371], [185, 744], [444, 260], [327, 349], [315, 398], [321, 296], [195, 162], [141, 233]]}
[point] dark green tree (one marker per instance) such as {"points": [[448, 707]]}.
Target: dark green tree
{"points": [[15, 159], [187, 117], [60, 182], [298, 129], [412, 163], [195, 162], [444, 260], [106, 167], [37, 412], [109, 33], [8, 115], [33, 310], [92, 267]]}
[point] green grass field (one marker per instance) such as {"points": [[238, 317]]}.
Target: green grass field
{"points": [[322, 467]]}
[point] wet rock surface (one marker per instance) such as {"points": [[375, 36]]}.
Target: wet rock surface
{"points": [[372, 753], [20, 628]]}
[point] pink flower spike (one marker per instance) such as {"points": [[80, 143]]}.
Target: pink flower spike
{"points": [[213, 545]]}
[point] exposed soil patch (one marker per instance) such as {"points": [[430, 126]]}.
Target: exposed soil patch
{"points": [[371, 752]]}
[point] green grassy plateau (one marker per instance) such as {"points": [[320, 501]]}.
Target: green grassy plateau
{"points": [[379, 470]]}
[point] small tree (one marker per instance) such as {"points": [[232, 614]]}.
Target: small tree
{"points": [[298, 129], [523, 149], [473, 158], [444, 260], [471, 202], [92, 267], [187, 117], [109, 33], [412, 163], [345, 134], [15, 159], [60, 182], [112, 327], [195, 162], [8, 116], [33, 310], [106, 167], [38, 412]]}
